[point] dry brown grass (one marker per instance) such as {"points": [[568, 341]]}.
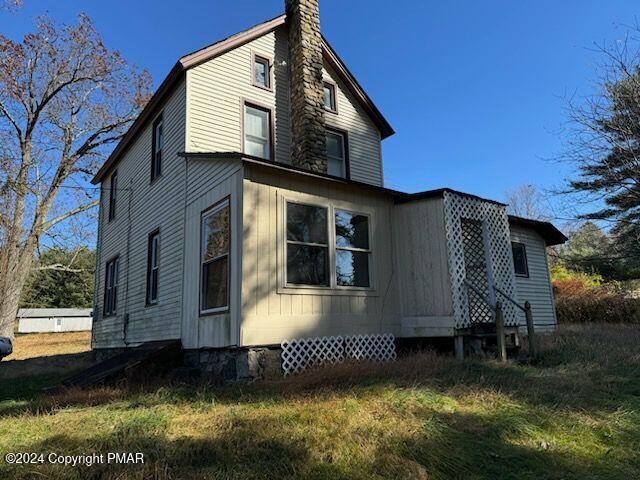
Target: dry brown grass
{"points": [[47, 353], [47, 344]]}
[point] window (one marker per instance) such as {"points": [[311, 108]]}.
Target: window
{"points": [[153, 265], [214, 258], [352, 249], [330, 97], [336, 153], [307, 245], [111, 287], [261, 72], [520, 259], [113, 191], [156, 149], [257, 131]]}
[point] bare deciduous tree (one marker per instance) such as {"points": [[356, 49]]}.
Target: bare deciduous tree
{"points": [[527, 201], [65, 99]]}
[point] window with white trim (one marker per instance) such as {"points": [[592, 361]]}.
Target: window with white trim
{"points": [[336, 153], [353, 250], [153, 267], [214, 258], [320, 253], [329, 97], [307, 245], [257, 131], [111, 287], [261, 72]]}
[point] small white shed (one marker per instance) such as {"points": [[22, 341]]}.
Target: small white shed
{"points": [[32, 320]]}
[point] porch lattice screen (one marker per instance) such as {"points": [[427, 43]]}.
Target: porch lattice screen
{"points": [[494, 215], [302, 353], [476, 273]]}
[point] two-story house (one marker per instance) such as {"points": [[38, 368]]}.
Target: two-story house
{"points": [[246, 206]]}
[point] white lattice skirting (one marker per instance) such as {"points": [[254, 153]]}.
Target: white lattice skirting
{"points": [[302, 353]]}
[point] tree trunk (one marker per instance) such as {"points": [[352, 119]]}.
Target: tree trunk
{"points": [[11, 287]]}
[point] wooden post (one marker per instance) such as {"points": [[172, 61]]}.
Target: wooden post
{"points": [[531, 335], [502, 347], [459, 346]]}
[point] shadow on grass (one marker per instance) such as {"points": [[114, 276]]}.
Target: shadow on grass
{"points": [[448, 446]]}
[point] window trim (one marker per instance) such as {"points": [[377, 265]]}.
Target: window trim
{"points": [[294, 242], [345, 147], [244, 103], [218, 310], [368, 251], [526, 259], [334, 95], [258, 57], [110, 313], [113, 196], [155, 176], [333, 288], [148, 301]]}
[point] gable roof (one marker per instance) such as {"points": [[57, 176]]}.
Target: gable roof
{"points": [[207, 53]]}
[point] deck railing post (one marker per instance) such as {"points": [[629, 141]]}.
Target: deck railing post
{"points": [[502, 347], [531, 335]]}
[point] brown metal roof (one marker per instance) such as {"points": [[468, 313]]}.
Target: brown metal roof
{"points": [[207, 53]]}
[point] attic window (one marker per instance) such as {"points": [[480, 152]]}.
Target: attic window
{"points": [[330, 97], [261, 72]]}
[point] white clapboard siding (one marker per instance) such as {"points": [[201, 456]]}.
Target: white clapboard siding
{"points": [[210, 181], [217, 88], [422, 268], [141, 208], [271, 313], [537, 287]]}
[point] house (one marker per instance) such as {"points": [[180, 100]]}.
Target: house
{"points": [[32, 320], [246, 206]]}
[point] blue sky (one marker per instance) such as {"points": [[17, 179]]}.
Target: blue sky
{"points": [[474, 90]]}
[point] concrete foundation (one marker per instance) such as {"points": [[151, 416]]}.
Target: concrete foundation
{"points": [[236, 364]]}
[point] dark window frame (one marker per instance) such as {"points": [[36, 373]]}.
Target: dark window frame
{"points": [[526, 260], [227, 308], [111, 278], [345, 146], [333, 96], [268, 62], [244, 103], [149, 300], [156, 163], [113, 195]]}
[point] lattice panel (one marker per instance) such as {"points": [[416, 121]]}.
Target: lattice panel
{"points": [[302, 353], [476, 273], [494, 217], [371, 347]]}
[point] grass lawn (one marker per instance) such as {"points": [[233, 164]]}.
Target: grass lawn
{"points": [[576, 415]]}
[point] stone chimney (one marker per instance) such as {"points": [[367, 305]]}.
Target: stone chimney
{"points": [[308, 141]]}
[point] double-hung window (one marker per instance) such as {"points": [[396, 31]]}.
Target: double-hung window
{"points": [[113, 192], [214, 258], [323, 253], [307, 245], [336, 153], [353, 251], [153, 267], [257, 131], [156, 148], [111, 287]]}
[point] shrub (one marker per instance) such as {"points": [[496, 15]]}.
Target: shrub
{"points": [[582, 297]]}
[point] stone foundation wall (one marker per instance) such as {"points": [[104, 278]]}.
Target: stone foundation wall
{"points": [[236, 364]]}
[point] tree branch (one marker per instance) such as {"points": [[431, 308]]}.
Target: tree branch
{"points": [[47, 225]]}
